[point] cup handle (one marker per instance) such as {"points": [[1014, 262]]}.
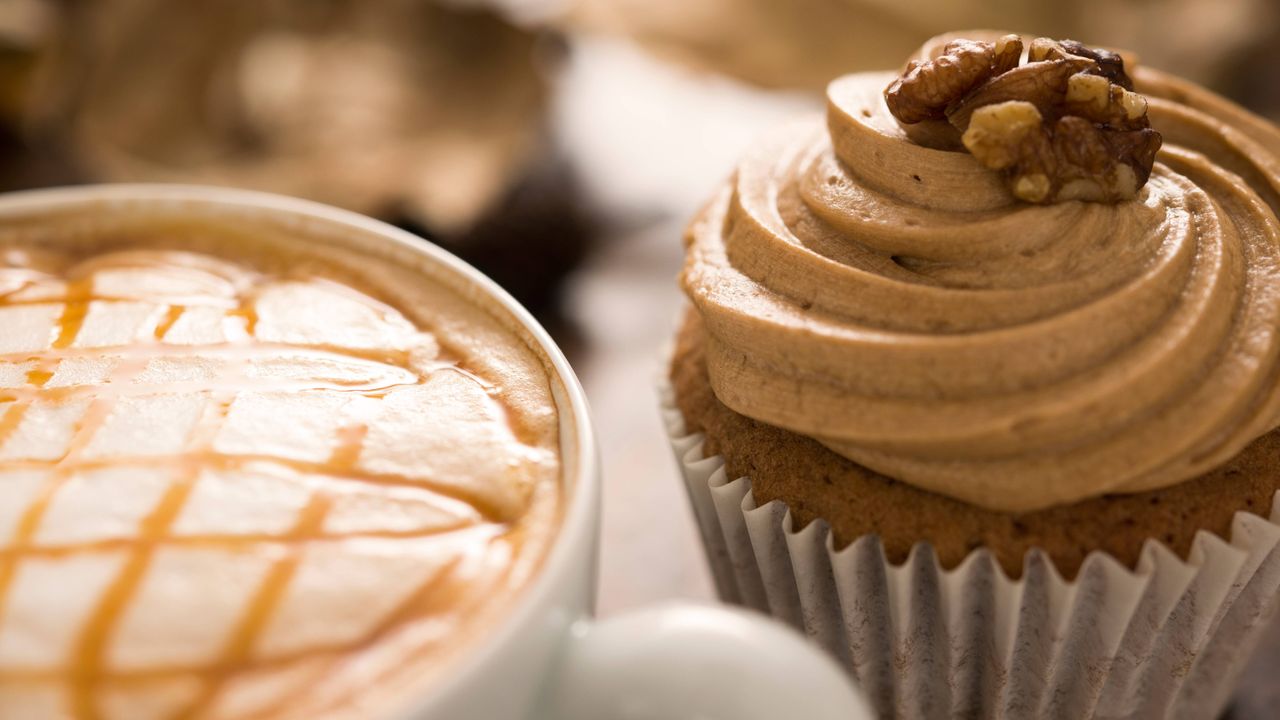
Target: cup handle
{"points": [[694, 662]]}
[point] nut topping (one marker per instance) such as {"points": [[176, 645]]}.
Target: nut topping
{"points": [[1064, 126], [1110, 64], [1042, 84], [1069, 158], [926, 88]]}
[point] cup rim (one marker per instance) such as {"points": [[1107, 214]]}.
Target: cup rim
{"points": [[580, 474]]}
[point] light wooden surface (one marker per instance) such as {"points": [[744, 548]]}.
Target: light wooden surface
{"points": [[649, 551]]}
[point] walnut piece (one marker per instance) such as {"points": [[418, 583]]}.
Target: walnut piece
{"points": [[1064, 126], [1070, 158], [926, 88], [1110, 64], [1042, 84]]}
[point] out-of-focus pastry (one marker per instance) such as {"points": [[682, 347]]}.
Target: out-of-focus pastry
{"points": [[805, 43], [432, 115], [375, 106]]}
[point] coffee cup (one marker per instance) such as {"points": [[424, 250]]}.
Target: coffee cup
{"points": [[545, 655]]}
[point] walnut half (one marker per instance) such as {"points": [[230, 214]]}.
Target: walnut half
{"points": [[1066, 125], [1069, 158], [926, 88]]}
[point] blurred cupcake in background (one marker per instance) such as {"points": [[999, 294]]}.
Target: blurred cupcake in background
{"points": [[805, 43], [428, 114]]}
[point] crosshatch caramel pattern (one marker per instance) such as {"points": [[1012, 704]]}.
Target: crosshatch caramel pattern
{"points": [[146, 378]]}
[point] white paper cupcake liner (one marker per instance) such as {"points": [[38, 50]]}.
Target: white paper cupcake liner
{"points": [[1166, 640]]}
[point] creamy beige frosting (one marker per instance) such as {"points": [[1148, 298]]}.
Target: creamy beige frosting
{"points": [[897, 304], [235, 492]]}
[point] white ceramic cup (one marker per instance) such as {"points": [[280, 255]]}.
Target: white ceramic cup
{"points": [[548, 659]]}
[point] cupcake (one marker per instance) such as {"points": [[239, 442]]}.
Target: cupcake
{"points": [[980, 383]]}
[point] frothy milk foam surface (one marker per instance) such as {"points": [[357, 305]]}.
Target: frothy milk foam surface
{"points": [[253, 477]]}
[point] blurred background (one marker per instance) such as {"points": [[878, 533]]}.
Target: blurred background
{"points": [[558, 145]]}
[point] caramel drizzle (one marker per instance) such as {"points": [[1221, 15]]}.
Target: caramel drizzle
{"points": [[88, 668], [269, 595], [29, 523], [154, 529], [96, 635], [14, 280], [230, 350], [76, 308], [292, 467], [39, 377], [166, 300], [12, 418], [410, 608], [350, 443], [418, 604], [238, 651], [249, 316], [272, 590], [170, 319], [230, 543], [230, 381]]}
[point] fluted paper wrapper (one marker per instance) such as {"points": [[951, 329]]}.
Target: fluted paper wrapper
{"points": [[1168, 639]]}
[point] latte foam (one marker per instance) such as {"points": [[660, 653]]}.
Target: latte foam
{"points": [[247, 484]]}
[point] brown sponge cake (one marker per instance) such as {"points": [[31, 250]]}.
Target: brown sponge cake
{"points": [[816, 483]]}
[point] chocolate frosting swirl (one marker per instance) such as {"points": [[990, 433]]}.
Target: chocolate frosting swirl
{"points": [[897, 304]]}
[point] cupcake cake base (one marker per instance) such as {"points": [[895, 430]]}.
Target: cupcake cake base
{"points": [[856, 501], [1124, 609]]}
